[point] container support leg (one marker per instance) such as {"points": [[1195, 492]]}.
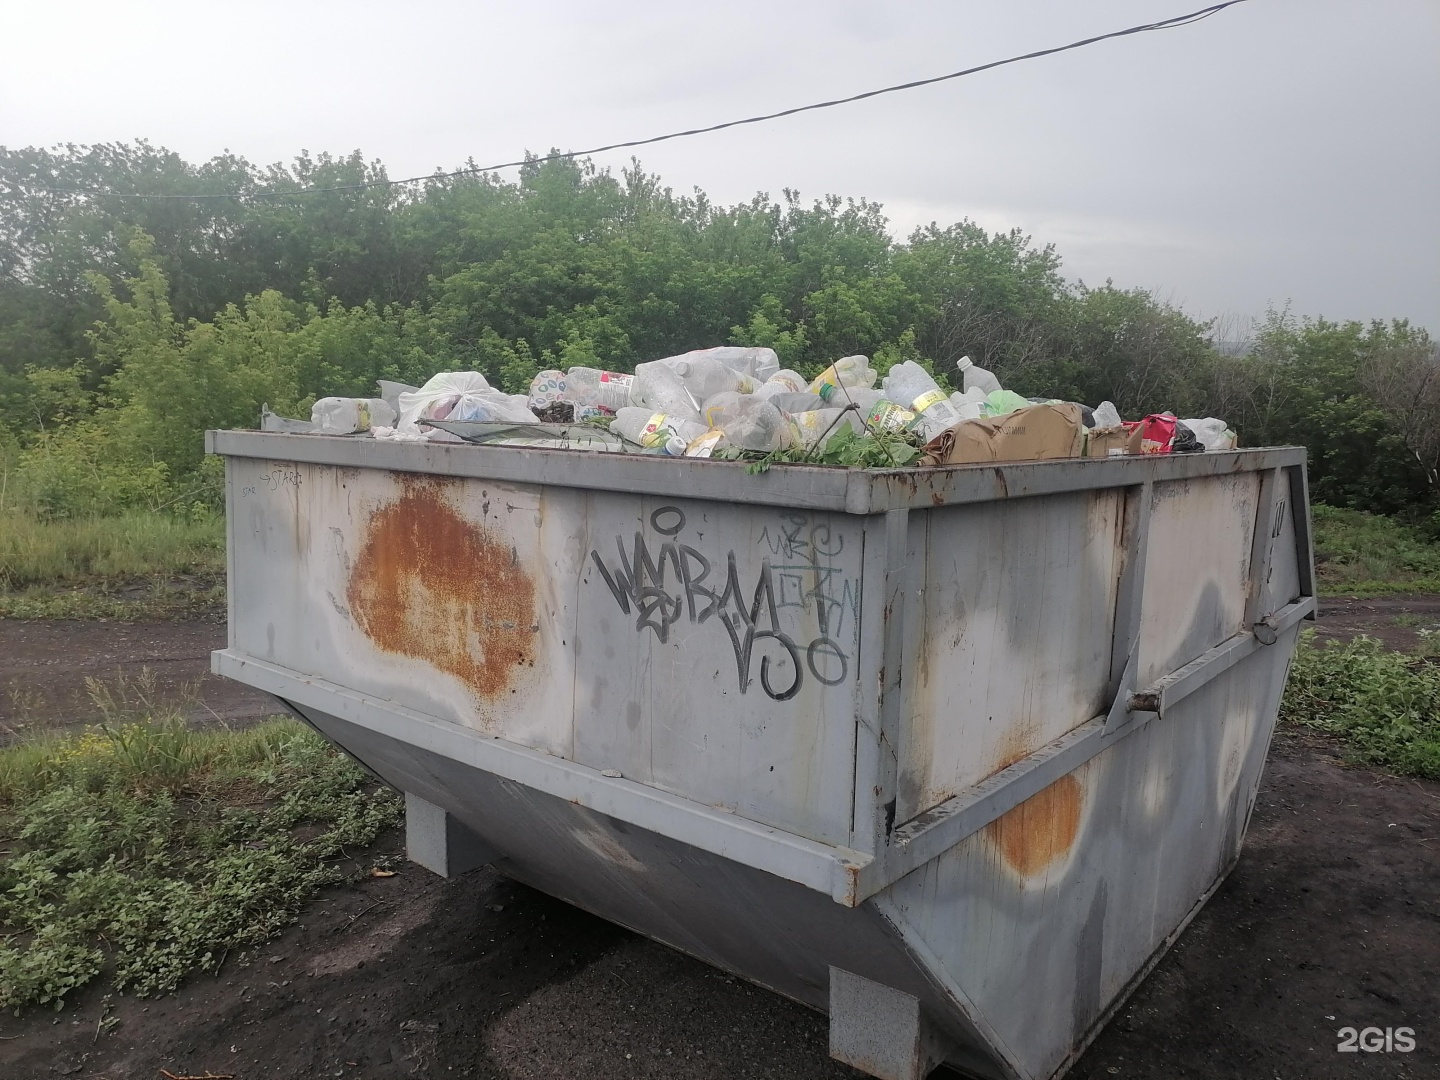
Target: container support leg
{"points": [[880, 1030], [439, 843]]}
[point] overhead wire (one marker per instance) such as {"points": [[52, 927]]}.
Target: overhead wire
{"points": [[476, 170]]}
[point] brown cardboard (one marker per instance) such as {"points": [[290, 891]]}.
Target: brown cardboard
{"points": [[1101, 441], [1031, 434]]}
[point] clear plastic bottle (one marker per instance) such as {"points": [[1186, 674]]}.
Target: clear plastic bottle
{"points": [[969, 404], [705, 376], [656, 431], [812, 430], [977, 376], [756, 363], [657, 387], [749, 422], [346, 416], [784, 381], [848, 371], [591, 386], [911, 386], [798, 403]]}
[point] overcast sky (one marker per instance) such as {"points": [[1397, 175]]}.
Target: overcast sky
{"points": [[1283, 150]]}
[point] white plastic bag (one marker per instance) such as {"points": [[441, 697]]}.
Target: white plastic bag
{"points": [[461, 395], [1212, 434]]}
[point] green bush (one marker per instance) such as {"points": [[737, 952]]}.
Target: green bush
{"points": [[1385, 704]]}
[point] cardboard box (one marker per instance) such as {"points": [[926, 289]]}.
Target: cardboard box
{"points": [[1037, 433], [1119, 439]]}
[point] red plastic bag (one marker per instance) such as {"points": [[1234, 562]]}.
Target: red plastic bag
{"points": [[1157, 432]]}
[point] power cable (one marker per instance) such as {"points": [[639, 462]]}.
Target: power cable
{"points": [[1164, 24]]}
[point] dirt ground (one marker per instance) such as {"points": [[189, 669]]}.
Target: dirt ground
{"points": [[44, 665], [1331, 919]]}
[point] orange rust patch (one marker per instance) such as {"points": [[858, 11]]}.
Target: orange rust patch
{"points": [[1041, 829], [432, 585]]}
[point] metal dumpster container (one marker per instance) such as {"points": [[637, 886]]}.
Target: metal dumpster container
{"points": [[952, 754]]}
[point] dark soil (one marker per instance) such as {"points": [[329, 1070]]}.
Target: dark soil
{"points": [[1395, 620], [1331, 919], [44, 665]]}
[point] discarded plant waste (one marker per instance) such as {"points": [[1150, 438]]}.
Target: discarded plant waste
{"points": [[734, 402]]}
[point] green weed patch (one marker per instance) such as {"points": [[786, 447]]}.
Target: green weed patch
{"points": [[1360, 554], [1384, 704], [141, 852]]}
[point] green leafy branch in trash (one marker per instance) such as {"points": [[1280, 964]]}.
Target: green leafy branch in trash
{"points": [[871, 449]]}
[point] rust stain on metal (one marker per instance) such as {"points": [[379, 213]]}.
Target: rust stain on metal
{"points": [[1041, 829], [431, 585]]}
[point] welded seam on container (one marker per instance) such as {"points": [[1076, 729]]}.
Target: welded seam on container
{"points": [[832, 870]]}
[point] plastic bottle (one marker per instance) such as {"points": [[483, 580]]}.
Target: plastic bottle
{"points": [[681, 386], [345, 416], [968, 406], [784, 381], [705, 376], [1107, 416], [848, 371], [910, 385], [886, 416], [814, 429], [977, 376], [591, 386], [798, 403], [756, 363], [546, 388], [656, 431], [749, 422]]}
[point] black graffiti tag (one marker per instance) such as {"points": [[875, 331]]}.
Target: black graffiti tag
{"points": [[674, 583]]}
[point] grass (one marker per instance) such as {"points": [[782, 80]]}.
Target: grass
{"points": [[1384, 705], [1360, 554], [132, 565], [139, 851]]}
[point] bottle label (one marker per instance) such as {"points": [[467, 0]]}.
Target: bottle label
{"points": [[825, 383], [925, 401], [616, 377], [887, 416], [656, 431]]}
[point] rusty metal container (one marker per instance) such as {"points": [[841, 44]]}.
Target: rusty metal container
{"points": [[953, 755]]}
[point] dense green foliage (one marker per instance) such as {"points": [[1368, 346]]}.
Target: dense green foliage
{"points": [[143, 851], [128, 326], [1386, 705], [1361, 554]]}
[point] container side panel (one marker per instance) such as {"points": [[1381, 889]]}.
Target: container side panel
{"points": [[1014, 651], [443, 595], [1046, 915], [718, 650], [1283, 583], [770, 931], [1197, 565]]}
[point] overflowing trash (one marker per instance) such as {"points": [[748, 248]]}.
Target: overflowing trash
{"points": [[738, 402]]}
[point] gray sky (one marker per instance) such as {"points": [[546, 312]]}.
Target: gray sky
{"points": [[1284, 150]]}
